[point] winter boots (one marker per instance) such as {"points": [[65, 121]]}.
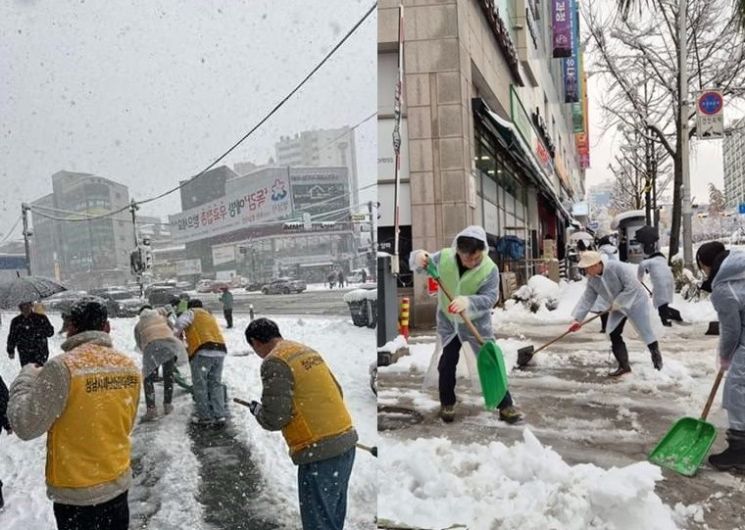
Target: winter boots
{"points": [[167, 409], [447, 413], [510, 415], [150, 415], [734, 456], [654, 350], [622, 356]]}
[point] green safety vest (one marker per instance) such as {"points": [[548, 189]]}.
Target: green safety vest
{"points": [[458, 285]]}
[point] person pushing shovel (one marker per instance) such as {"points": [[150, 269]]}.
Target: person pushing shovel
{"points": [[725, 280], [467, 271], [616, 283]]}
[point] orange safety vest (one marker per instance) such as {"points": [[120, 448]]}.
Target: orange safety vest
{"points": [[203, 329]]}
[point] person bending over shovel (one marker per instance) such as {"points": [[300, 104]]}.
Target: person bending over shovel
{"points": [[467, 271], [725, 280], [616, 284]]}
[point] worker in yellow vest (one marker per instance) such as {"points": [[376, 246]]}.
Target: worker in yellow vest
{"points": [[206, 348], [302, 398], [86, 401], [470, 275]]}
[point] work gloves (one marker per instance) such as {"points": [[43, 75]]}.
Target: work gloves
{"points": [[458, 305], [421, 259], [254, 407], [575, 326]]}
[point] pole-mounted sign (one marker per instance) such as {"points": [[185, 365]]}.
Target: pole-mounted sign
{"points": [[709, 115]]}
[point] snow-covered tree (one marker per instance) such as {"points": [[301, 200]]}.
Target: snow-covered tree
{"points": [[717, 202]]}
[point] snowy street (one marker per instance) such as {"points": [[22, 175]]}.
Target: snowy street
{"points": [[237, 477], [578, 415]]}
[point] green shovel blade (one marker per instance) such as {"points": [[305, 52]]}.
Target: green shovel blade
{"points": [[684, 446], [492, 374]]}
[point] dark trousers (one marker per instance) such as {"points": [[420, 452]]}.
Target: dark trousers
{"points": [[447, 367], [33, 357], [109, 515], [167, 385], [603, 321], [228, 313], [322, 490], [669, 313], [616, 337]]}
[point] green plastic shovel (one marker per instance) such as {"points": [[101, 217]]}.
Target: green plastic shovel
{"points": [[490, 361], [688, 441]]}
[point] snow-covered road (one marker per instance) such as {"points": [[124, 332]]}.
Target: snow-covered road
{"points": [[173, 489]]}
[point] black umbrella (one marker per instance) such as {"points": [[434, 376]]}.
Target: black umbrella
{"points": [[27, 289], [647, 235]]}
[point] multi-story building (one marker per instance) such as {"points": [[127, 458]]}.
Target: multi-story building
{"points": [[487, 137], [323, 147], [600, 195], [86, 253], [734, 164]]}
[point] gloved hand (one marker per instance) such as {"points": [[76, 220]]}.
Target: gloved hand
{"points": [[458, 305], [722, 363], [615, 306], [575, 326], [254, 407], [11, 353], [421, 259]]}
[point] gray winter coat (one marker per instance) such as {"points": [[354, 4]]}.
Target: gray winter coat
{"points": [[610, 251], [480, 304], [728, 298], [618, 286], [663, 284]]}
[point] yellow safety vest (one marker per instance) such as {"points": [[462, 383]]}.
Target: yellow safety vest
{"points": [[89, 443], [318, 410], [203, 329]]}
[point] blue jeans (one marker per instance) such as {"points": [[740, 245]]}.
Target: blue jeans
{"points": [[206, 378], [322, 488]]}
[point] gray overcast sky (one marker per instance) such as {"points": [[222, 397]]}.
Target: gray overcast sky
{"points": [[148, 92]]}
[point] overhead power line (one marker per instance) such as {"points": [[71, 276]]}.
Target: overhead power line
{"points": [[10, 232]]}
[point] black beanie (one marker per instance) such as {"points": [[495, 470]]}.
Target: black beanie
{"points": [[708, 252]]}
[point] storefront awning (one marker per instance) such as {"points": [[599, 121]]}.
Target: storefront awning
{"points": [[514, 143]]}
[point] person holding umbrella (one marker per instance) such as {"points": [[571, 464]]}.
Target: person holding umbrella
{"points": [[616, 284], [467, 271], [28, 333], [725, 280]]}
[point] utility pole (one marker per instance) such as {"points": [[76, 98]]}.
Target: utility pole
{"points": [[25, 208], [684, 156], [133, 210], [372, 262]]}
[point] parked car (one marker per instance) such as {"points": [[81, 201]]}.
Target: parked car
{"points": [[64, 300], [284, 286], [358, 276], [255, 286], [121, 302], [205, 286], [162, 295]]}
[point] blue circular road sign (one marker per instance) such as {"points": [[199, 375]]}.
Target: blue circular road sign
{"points": [[710, 103]]}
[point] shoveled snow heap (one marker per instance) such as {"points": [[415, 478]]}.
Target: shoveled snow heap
{"points": [[394, 345], [359, 295], [436, 483]]}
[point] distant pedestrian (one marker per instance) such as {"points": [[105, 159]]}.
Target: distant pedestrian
{"points": [[183, 303], [29, 332], [303, 399], [85, 400], [364, 275], [4, 424], [155, 339], [341, 277], [206, 347], [227, 306], [331, 278]]}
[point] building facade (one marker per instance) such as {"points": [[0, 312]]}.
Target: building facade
{"points": [[487, 135], [734, 165], [323, 147], [84, 254]]}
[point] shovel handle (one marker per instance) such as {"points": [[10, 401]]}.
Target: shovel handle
{"points": [[462, 314], [567, 332], [712, 394]]}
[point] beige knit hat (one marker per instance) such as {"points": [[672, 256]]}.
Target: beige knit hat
{"points": [[588, 259]]}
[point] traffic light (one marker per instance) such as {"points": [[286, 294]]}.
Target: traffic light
{"points": [[148, 261]]}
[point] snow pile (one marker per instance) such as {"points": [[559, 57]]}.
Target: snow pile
{"points": [[394, 345], [540, 292], [358, 295], [544, 287], [435, 483], [567, 297]]}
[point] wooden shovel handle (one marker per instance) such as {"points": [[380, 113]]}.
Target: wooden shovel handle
{"points": [[712, 394], [567, 332], [462, 314]]}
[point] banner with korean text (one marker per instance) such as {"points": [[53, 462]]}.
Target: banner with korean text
{"points": [[267, 199], [562, 29]]}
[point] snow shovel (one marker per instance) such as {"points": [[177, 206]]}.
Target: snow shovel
{"points": [[688, 441], [372, 450], [490, 361], [524, 355]]}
